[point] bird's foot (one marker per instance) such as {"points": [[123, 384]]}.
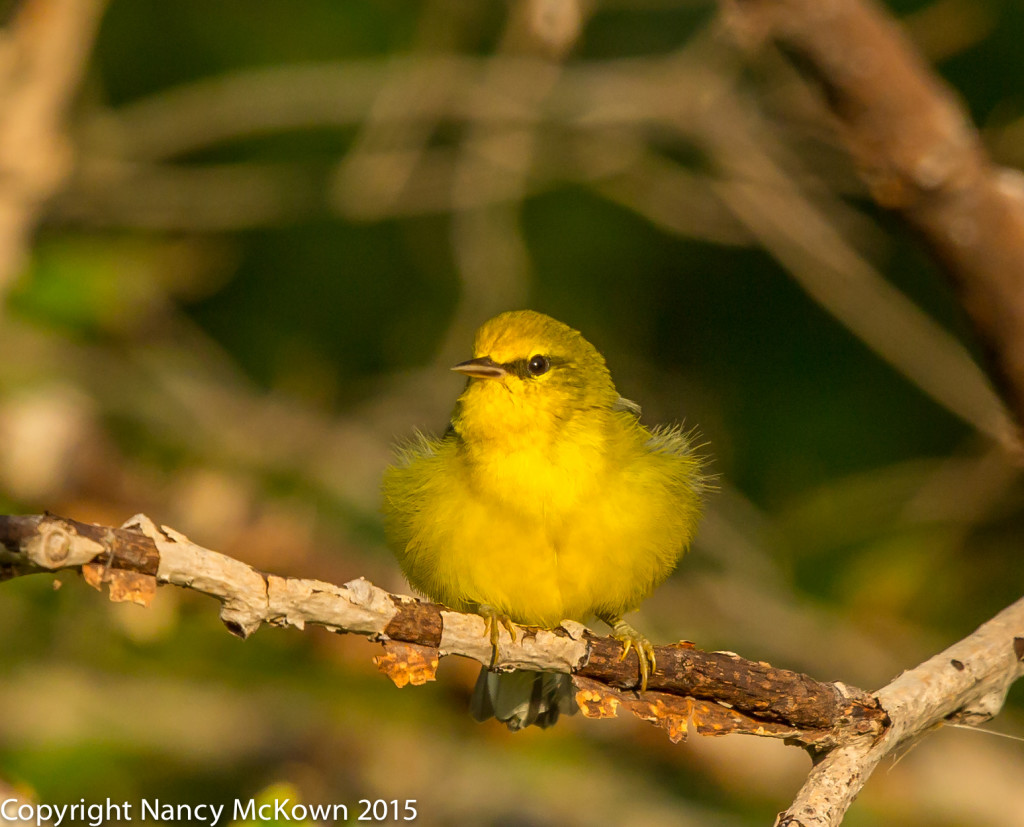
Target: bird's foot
{"points": [[494, 621], [632, 639]]}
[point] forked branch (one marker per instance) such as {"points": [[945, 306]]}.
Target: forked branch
{"points": [[921, 157], [714, 692]]}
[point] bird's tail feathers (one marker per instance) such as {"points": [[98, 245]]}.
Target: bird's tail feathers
{"points": [[519, 699]]}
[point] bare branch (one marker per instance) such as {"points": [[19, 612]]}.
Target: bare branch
{"points": [[718, 692], [918, 153], [920, 156], [967, 683], [715, 692]]}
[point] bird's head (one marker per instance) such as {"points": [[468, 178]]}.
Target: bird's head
{"points": [[531, 371]]}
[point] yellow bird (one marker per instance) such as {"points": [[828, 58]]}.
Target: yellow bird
{"points": [[545, 500]]}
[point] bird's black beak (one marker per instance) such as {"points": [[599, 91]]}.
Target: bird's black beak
{"points": [[483, 368]]}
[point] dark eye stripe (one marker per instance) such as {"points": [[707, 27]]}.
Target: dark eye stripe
{"points": [[521, 367]]}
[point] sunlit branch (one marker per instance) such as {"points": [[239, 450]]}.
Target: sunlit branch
{"points": [[714, 692]]}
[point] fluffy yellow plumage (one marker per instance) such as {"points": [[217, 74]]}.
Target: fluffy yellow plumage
{"points": [[546, 500]]}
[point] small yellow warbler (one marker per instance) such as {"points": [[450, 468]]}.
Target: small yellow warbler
{"points": [[545, 500]]}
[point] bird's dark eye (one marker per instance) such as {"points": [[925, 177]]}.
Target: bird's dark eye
{"points": [[538, 364]]}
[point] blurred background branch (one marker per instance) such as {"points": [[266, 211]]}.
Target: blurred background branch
{"points": [[919, 155], [43, 53]]}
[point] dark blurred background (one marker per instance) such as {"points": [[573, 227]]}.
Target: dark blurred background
{"points": [[280, 225]]}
